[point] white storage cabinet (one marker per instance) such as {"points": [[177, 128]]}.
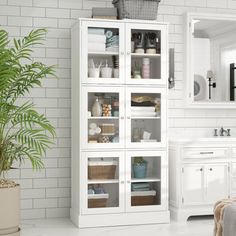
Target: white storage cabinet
{"points": [[129, 130]]}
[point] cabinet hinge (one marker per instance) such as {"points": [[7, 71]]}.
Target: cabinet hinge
{"points": [[228, 196], [182, 200], [189, 95], [190, 24], [228, 169], [182, 170]]}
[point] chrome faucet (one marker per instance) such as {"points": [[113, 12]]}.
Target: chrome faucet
{"points": [[222, 131]]}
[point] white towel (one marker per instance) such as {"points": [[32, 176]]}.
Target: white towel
{"points": [[97, 38], [96, 31], [143, 114], [96, 47]]}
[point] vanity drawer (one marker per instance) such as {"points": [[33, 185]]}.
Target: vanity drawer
{"points": [[204, 153]]}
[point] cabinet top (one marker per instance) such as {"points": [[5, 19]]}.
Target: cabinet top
{"points": [[207, 141], [136, 21]]}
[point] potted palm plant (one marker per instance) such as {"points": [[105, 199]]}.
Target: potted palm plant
{"points": [[24, 133]]}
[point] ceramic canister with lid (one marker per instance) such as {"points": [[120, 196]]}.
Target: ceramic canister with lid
{"points": [[146, 68]]}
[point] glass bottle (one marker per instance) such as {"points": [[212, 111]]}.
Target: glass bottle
{"points": [[96, 108]]}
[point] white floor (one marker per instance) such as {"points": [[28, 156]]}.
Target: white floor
{"points": [[200, 226]]}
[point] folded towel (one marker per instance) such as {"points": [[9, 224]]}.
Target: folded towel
{"points": [[96, 31], [141, 109], [143, 114], [112, 49], [96, 47], [96, 38]]}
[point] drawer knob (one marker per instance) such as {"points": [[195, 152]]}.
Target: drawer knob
{"points": [[201, 169]]}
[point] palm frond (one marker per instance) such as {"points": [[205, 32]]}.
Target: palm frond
{"points": [[24, 133]]}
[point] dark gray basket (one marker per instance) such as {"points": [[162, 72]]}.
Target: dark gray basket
{"points": [[137, 9]]}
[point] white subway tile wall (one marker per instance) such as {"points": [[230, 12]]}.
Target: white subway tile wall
{"points": [[46, 193]]}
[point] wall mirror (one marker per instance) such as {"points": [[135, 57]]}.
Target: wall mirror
{"points": [[210, 60]]}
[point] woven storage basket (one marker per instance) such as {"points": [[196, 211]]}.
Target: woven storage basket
{"points": [[137, 9], [143, 199], [98, 200], [101, 170], [96, 203]]}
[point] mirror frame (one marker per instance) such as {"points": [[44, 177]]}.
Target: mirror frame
{"points": [[188, 58]]}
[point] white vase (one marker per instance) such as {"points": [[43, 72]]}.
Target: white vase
{"points": [[10, 211], [96, 108]]}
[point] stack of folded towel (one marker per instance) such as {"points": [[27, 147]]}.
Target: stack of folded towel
{"points": [[112, 43], [140, 187], [148, 111], [96, 40]]}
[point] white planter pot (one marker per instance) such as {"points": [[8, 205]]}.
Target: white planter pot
{"points": [[10, 211]]}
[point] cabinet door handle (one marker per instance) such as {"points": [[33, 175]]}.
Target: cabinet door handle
{"points": [[206, 153], [122, 117], [122, 182], [128, 53], [122, 53], [128, 117], [210, 169], [201, 169], [128, 181]]}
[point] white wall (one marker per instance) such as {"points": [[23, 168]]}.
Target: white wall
{"points": [[47, 193]]}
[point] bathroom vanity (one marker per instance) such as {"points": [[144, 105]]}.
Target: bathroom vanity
{"points": [[201, 172]]}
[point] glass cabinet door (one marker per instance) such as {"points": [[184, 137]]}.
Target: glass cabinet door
{"points": [[146, 180], [102, 53], [146, 51], [146, 117], [103, 121], [102, 182]]}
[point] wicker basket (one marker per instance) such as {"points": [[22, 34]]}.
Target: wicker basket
{"points": [[137, 9], [96, 201], [143, 199], [101, 170]]}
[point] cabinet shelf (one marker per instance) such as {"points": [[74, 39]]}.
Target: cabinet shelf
{"points": [[103, 53], [103, 181], [102, 78], [145, 55], [145, 118], [103, 118], [150, 179]]}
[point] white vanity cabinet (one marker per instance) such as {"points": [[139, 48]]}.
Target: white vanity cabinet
{"points": [[119, 123], [200, 174], [204, 183]]}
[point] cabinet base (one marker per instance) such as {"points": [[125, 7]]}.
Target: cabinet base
{"points": [[87, 221], [182, 215]]}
